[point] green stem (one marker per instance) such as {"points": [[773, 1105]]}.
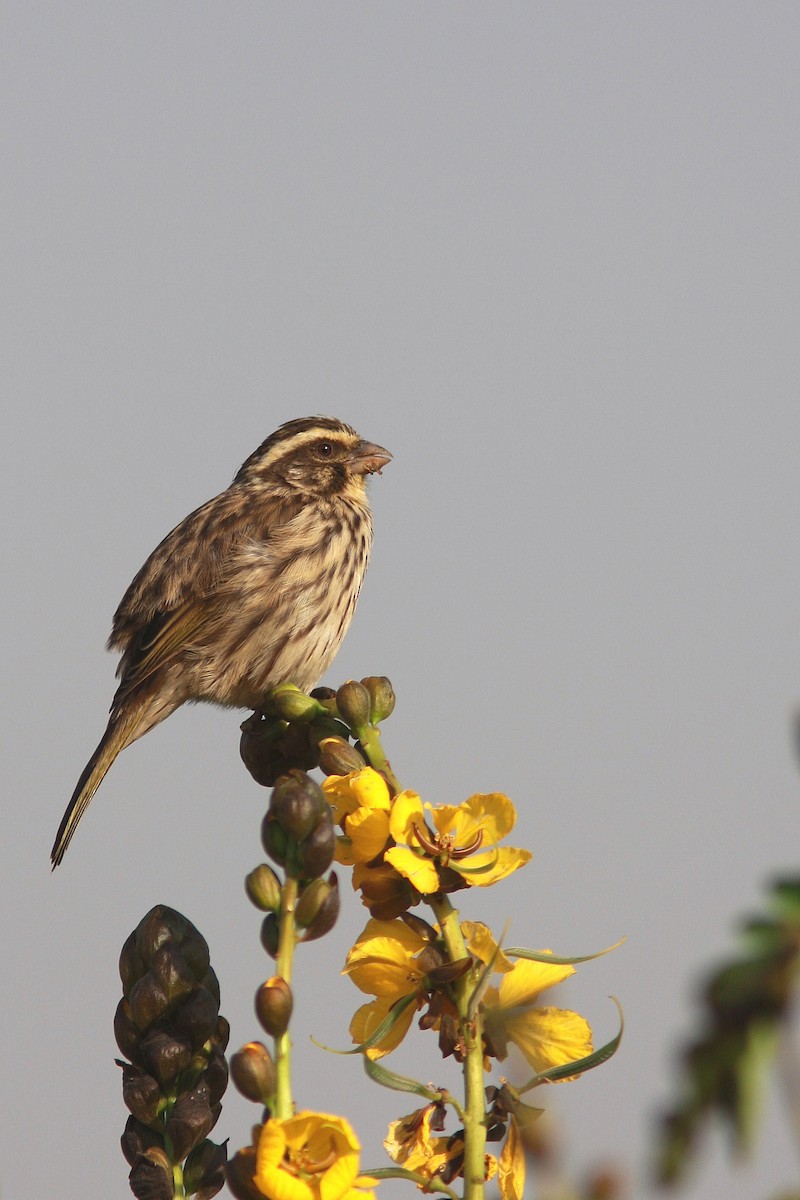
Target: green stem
{"points": [[471, 1033], [369, 737], [284, 1105]]}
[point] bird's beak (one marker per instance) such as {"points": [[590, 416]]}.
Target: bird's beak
{"points": [[368, 458]]}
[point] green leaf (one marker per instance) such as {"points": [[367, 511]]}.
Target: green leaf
{"points": [[422, 1181], [542, 956], [398, 1083]]}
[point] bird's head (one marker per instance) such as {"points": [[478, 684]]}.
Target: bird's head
{"points": [[318, 456]]}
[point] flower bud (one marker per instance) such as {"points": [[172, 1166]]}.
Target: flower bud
{"points": [[381, 696], [296, 804], [311, 897], [190, 1122], [240, 1173], [257, 748], [165, 1056], [148, 1002], [126, 1033], [204, 1170], [197, 1016], [171, 972], [338, 757], [273, 1004], [253, 1073], [264, 888], [136, 1139], [151, 1176], [274, 839], [131, 966], [216, 1076], [293, 705], [316, 852], [270, 934], [353, 703], [140, 1093], [327, 913]]}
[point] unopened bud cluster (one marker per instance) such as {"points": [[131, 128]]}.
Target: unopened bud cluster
{"points": [[169, 1028], [306, 731]]}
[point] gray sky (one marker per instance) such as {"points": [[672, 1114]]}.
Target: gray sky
{"points": [[548, 255]]}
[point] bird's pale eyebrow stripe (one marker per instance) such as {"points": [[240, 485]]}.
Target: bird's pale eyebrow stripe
{"points": [[283, 448]]}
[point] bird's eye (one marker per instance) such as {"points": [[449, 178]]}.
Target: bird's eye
{"points": [[325, 449]]}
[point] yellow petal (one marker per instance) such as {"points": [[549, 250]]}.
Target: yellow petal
{"points": [[359, 789], [482, 870], [482, 945], [528, 980], [550, 1037], [368, 830], [406, 812], [419, 871], [511, 1172], [492, 814], [368, 1017]]}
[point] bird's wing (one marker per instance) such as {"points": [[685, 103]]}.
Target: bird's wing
{"points": [[158, 642], [193, 561]]}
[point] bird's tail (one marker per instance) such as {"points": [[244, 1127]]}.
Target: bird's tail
{"points": [[122, 729]]}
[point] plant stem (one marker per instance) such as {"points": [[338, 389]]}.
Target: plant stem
{"points": [[370, 740], [284, 1105], [471, 1034]]}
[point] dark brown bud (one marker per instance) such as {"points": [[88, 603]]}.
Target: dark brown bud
{"points": [[421, 928], [338, 757], [131, 966], [239, 1175], [151, 1176], [204, 1170], [223, 1033], [140, 1093], [165, 1056], [354, 705], [253, 1073], [264, 888], [327, 901], [258, 748], [316, 853], [210, 982], [386, 893], [274, 1003], [381, 696], [136, 1139], [190, 1122], [171, 972], [296, 804], [270, 934], [128, 1036], [216, 1076], [148, 1002], [197, 1016]]}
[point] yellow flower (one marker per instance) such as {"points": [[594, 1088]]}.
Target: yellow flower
{"points": [[388, 961], [310, 1156], [547, 1037], [463, 839], [361, 804]]}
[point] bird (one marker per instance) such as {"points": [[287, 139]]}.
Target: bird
{"points": [[255, 588]]}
